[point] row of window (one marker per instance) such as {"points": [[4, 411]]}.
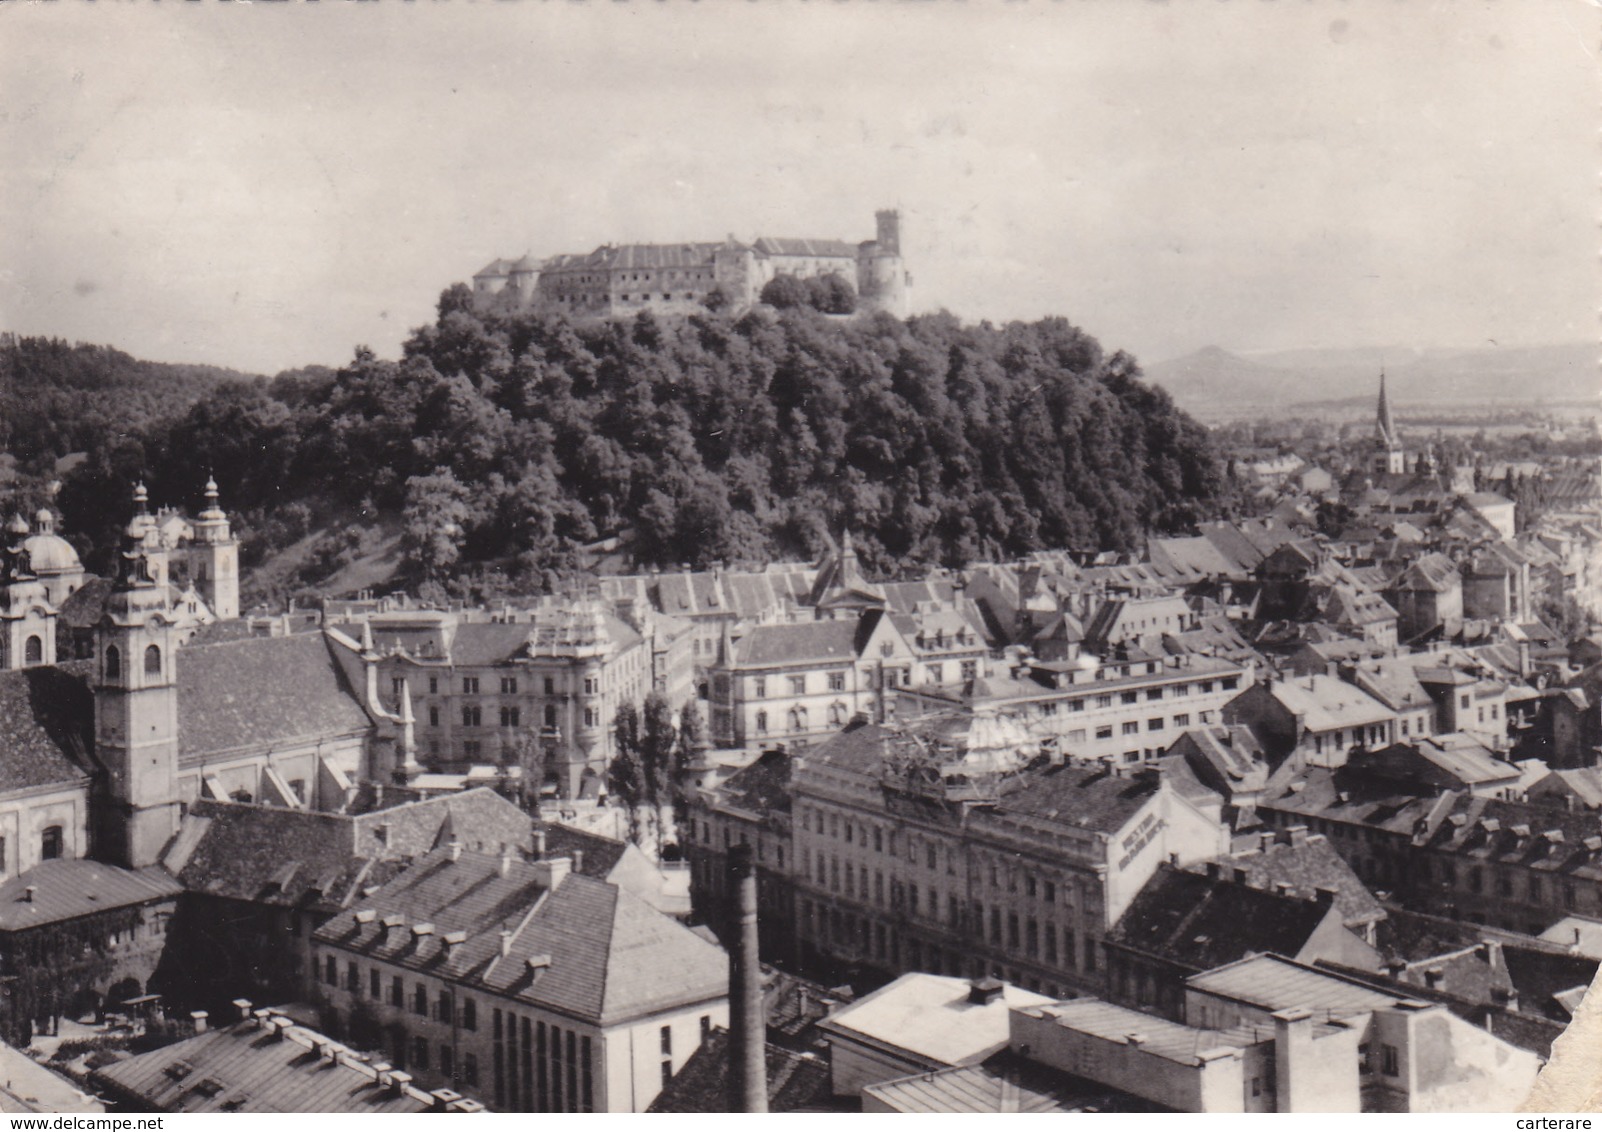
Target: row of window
{"points": [[541, 1067], [470, 685], [473, 716], [855, 936], [114, 659], [800, 719], [441, 1009]]}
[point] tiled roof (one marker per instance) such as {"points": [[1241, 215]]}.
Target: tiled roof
{"points": [[783, 246], [806, 642], [86, 605], [243, 1068], [1202, 922], [478, 643], [796, 1082], [46, 726], [600, 854], [65, 889], [1197, 553], [1308, 866], [267, 854], [604, 950], [762, 788], [1432, 573], [259, 693]]}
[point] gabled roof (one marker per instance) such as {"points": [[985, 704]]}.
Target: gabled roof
{"points": [[261, 692], [601, 951], [67, 889], [46, 726], [804, 642], [762, 788], [796, 1082], [1306, 865], [786, 246], [1201, 922]]}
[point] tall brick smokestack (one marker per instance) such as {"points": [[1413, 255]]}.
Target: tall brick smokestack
{"points": [[748, 1070]]}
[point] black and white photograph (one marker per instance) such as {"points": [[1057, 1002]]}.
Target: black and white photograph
{"points": [[800, 556]]}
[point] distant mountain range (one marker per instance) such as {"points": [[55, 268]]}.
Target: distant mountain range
{"points": [[1213, 382]]}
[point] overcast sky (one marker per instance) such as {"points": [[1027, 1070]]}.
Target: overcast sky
{"points": [[268, 185]]}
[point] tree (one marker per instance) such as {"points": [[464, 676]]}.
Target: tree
{"points": [[692, 735], [786, 292], [625, 777], [656, 759], [529, 754], [435, 522], [831, 294]]}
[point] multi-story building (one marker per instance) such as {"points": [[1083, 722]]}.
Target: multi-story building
{"points": [[1489, 860], [554, 676], [948, 848], [800, 682], [523, 984], [752, 807], [1120, 711], [1311, 720]]}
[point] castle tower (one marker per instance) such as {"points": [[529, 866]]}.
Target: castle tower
{"points": [[1389, 458], [27, 618], [882, 280], [214, 559], [136, 716], [888, 221]]}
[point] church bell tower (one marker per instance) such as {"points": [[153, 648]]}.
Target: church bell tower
{"points": [[136, 717]]}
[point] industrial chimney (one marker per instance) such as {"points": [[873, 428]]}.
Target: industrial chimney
{"points": [[748, 1070]]}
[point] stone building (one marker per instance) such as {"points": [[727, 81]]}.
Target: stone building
{"points": [[625, 279], [523, 984], [942, 850]]}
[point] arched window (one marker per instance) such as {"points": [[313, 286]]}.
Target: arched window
{"points": [[113, 662], [798, 719], [33, 651], [152, 661], [50, 843], [837, 714]]}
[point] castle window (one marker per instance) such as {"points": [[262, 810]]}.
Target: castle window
{"points": [[152, 661], [113, 663], [50, 843], [33, 651]]}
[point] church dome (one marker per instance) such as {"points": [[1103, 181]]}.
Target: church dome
{"points": [[51, 554]]}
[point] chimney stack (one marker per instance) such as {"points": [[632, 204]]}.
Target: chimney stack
{"points": [[199, 1018], [243, 1005], [748, 1076], [984, 991], [27, 894]]}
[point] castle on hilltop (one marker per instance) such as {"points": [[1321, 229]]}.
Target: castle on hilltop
{"points": [[624, 279]]}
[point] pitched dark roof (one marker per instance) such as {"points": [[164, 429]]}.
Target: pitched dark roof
{"points": [[1203, 922], [241, 1068], [602, 951], [800, 643], [63, 890], [762, 788], [86, 605], [46, 726], [600, 854], [482, 643], [268, 854], [261, 692], [1308, 866], [796, 1082]]}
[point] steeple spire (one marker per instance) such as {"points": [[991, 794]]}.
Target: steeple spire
{"points": [[1386, 423]]}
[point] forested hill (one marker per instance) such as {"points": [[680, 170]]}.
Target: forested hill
{"points": [[58, 397], [506, 440]]}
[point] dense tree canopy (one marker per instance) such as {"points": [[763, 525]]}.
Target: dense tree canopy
{"points": [[522, 436]]}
